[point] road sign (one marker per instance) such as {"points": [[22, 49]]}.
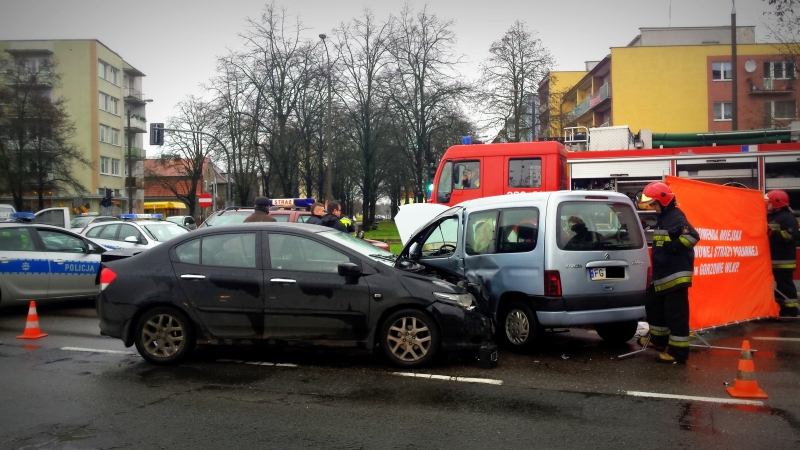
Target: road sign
{"points": [[204, 200]]}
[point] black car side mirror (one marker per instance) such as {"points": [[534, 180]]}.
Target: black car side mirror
{"points": [[347, 269]]}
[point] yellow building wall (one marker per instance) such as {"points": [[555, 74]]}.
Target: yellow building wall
{"points": [[665, 89], [560, 83]]}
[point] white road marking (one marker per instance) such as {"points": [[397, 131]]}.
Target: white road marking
{"points": [[767, 338], [446, 378], [98, 350], [256, 363], [697, 399]]}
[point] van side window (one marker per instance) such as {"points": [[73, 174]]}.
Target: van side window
{"points": [[525, 173], [519, 230], [467, 175], [481, 234], [598, 226]]}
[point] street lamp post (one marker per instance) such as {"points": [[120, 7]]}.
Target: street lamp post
{"points": [[328, 176]]}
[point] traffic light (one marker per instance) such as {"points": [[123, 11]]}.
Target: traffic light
{"points": [[431, 172], [156, 134]]}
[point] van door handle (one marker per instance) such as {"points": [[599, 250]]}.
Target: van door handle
{"points": [[283, 280], [190, 276]]}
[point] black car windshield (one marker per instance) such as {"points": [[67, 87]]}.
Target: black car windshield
{"points": [[361, 246], [164, 231], [228, 218]]}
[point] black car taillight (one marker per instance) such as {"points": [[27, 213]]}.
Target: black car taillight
{"points": [[106, 277], [552, 283]]}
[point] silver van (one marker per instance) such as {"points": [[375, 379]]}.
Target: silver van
{"points": [[542, 260]]}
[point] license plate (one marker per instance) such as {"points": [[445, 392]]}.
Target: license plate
{"points": [[597, 274]]}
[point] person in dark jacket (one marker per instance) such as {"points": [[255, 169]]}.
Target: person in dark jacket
{"points": [[261, 213], [667, 303], [317, 213], [783, 235], [331, 219]]}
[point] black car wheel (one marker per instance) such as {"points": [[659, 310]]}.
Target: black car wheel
{"points": [[617, 333], [518, 327], [410, 338], [164, 335]]}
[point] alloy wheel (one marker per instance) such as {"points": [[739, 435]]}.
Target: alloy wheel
{"points": [[162, 335], [409, 339]]}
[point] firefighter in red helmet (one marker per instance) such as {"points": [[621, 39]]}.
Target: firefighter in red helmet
{"points": [[667, 303], [783, 237]]}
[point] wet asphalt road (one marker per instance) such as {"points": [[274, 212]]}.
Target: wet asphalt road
{"points": [[571, 393]]}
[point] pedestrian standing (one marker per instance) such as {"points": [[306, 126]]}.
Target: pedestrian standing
{"points": [[783, 236], [317, 213], [331, 219], [667, 303], [261, 211]]}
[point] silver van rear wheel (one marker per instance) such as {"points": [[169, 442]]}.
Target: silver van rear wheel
{"points": [[518, 327]]}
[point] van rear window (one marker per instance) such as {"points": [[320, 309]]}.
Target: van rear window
{"points": [[598, 226]]}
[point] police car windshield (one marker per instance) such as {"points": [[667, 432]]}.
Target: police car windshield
{"points": [[163, 232], [360, 246], [228, 218], [80, 222]]}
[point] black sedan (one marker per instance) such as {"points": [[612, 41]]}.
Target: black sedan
{"points": [[282, 283]]}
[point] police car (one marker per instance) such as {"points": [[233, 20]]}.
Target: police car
{"points": [[134, 231], [39, 261]]}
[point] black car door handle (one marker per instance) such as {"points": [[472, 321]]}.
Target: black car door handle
{"points": [[283, 280], [189, 276]]}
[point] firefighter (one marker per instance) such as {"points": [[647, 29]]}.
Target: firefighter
{"points": [[667, 303], [783, 236]]}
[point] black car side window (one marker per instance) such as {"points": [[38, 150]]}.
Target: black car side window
{"points": [[229, 250], [287, 252], [189, 252]]}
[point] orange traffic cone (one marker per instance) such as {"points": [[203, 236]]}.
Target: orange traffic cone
{"points": [[32, 330], [746, 385]]}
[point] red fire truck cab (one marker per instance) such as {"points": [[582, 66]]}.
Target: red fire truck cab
{"points": [[474, 171]]}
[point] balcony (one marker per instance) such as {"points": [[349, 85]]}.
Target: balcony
{"points": [[138, 124], [578, 111], [136, 153], [602, 94], [43, 79], [773, 86], [134, 96]]}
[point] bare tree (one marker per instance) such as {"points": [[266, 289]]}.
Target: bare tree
{"points": [[509, 78], [36, 149], [362, 49], [424, 86], [187, 156]]}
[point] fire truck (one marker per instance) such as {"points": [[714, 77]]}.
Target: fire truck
{"points": [[614, 159]]}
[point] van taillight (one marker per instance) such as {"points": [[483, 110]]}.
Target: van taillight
{"points": [[552, 283], [106, 277]]}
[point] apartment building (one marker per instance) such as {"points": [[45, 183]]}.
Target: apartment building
{"points": [[104, 99], [678, 80]]}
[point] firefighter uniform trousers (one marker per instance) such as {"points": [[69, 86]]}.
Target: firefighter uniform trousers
{"points": [[667, 305], [783, 235], [668, 316]]}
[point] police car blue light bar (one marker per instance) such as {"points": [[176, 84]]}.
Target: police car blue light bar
{"points": [[141, 216], [23, 216], [299, 202]]}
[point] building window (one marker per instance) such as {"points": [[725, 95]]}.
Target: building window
{"points": [[115, 167], [723, 111], [114, 136], [780, 110], [721, 71], [105, 134], [779, 70], [109, 104], [108, 72], [105, 165]]}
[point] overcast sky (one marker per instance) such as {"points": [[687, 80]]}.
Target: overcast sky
{"points": [[176, 42]]}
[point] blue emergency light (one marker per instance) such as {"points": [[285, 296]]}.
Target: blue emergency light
{"points": [[24, 216], [466, 140], [298, 202], [140, 216]]}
